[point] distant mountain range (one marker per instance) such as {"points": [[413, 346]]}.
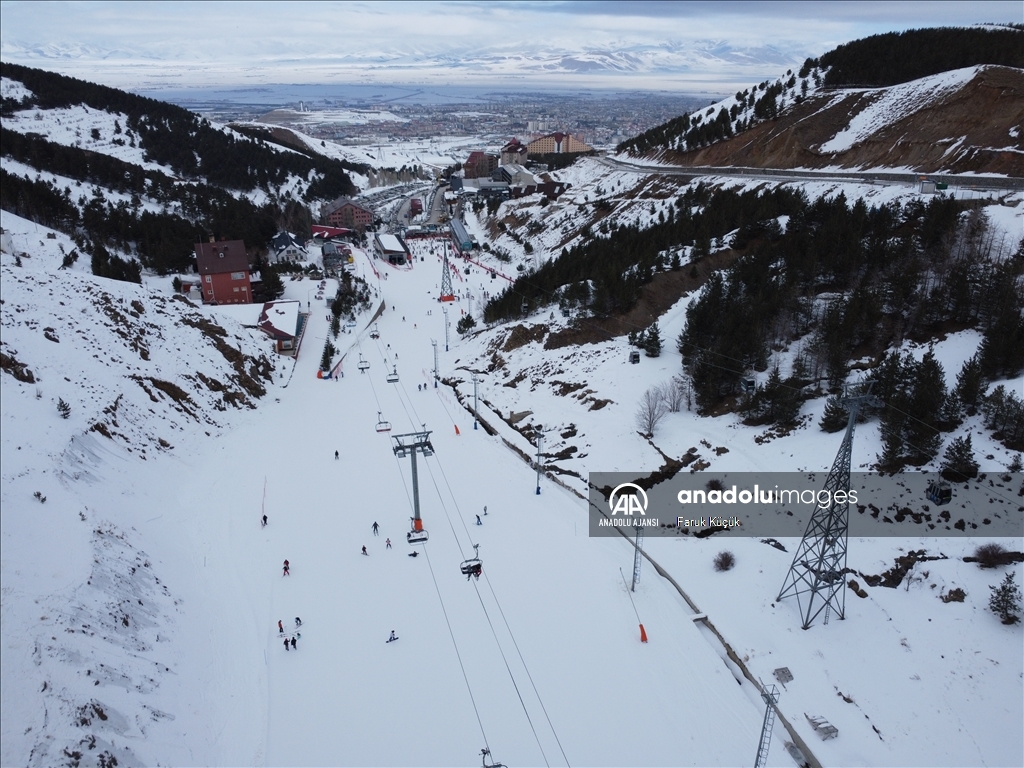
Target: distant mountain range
{"points": [[710, 62]]}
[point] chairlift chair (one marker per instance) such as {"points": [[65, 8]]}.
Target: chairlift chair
{"points": [[418, 534], [375, 334], [364, 365], [485, 757], [393, 376], [382, 426], [939, 492], [474, 566]]}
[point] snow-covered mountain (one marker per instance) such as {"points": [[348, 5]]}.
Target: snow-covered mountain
{"points": [[144, 438], [963, 121]]}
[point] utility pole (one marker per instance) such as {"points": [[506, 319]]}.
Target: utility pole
{"points": [[540, 442], [819, 563], [408, 445], [436, 375], [476, 380], [637, 558]]}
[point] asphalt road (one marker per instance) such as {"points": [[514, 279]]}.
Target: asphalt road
{"points": [[963, 181]]}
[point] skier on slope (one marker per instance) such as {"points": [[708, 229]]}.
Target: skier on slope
{"points": [[364, 551], [280, 626], [294, 646], [286, 643], [392, 638], [335, 455], [388, 542], [263, 522], [478, 520], [375, 527], [286, 569], [298, 622]]}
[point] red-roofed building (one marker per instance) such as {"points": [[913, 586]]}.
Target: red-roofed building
{"points": [[280, 320], [346, 213], [224, 271], [513, 153]]}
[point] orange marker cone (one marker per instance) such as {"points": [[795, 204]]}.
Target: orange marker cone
{"points": [[643, 634], [457, 430]]}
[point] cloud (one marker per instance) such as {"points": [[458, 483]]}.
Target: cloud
{"points": [[132, 43]]}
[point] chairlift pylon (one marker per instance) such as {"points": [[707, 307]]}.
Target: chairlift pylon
{"points": [[393, 376], [382, 426], [364, 365], [939, 492]]}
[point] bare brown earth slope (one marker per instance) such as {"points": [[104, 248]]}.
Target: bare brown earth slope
{"points": [[977, 127]]}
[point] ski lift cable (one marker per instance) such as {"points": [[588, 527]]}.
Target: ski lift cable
{"points": [[988, 490], [527, 668], [458, 655], [515, 685], [444, 508], [515, 643], [512, 677]]}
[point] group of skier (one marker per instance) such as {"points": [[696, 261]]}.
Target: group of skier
{"points": [[293, 640]]}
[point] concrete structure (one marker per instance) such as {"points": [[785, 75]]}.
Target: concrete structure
{"points": [[513, 153], [336, 256], [346, 213], [557, 143], [223, 267], [460, 237], [280, 321], [480, 165], [515, 175], [391, 248], [552, 190]]}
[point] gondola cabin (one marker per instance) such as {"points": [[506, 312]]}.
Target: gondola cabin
{"points": [[939, 492]]}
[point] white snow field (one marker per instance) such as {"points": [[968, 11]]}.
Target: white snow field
{"points": [[141, 600]]}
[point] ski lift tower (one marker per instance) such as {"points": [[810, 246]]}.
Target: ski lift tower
{"points": [[816, 574], [637, 556], [447, 294], [407, 445], [770, 696]]}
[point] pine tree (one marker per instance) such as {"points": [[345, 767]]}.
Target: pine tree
{"points": [[652, 341], [1005, 599], [465, 324], [63, 408], [958, 462], [970, 382], [892, 458], [835, 416], [924, 405], [328, 357]]}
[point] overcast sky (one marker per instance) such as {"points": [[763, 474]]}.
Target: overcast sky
{"points": [[674, 45]]}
